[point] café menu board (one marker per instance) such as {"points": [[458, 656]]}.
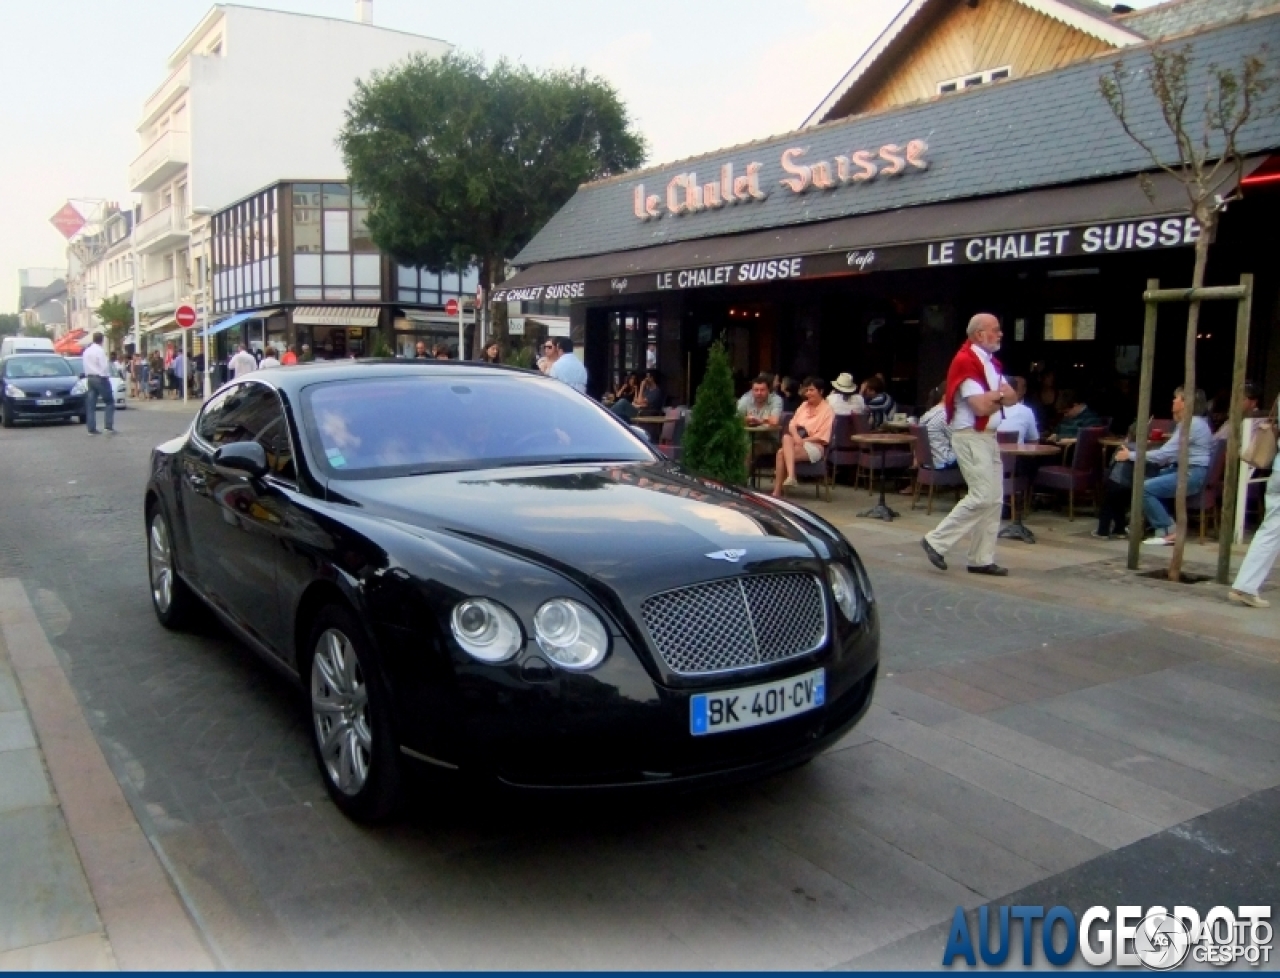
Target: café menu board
{"points": [[1070, 242]]}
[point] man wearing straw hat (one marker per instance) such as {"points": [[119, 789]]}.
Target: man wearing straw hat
{"points": [[844, 397]]}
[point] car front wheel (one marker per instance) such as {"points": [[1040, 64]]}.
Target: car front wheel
{"points": [[6, 416], [351, 728], [170, 596]]}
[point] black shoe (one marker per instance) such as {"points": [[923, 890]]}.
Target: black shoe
{"points": [[935, 558], [95, 431], [991, 570]]}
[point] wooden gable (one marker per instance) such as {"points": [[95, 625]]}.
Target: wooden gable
{"points": [[954, 41]]}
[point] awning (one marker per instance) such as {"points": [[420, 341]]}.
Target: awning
{"points": [[1059, 222], [241, 317], [336, 315], [160, 324], [431, 317]]}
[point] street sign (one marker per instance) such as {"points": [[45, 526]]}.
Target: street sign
{"points": [[68, 220], [451, 307], [185, 316]]}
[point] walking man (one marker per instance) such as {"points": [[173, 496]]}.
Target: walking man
{"points": [[976, 390], [97, 373], [242, 363]]}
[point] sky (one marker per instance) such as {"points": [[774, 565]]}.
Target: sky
{"points": [[697, 75]]}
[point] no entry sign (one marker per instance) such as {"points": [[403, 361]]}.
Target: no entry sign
{"points": [[451, 307], [185, 317]]}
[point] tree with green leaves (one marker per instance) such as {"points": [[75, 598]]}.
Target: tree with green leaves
{"points": [[10, 323], [716, 442], [36, 329], [1202, 112], [116, 314], [463, 163]]}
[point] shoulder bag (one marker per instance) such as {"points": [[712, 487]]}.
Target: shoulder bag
{"points": [[1261, 453]]}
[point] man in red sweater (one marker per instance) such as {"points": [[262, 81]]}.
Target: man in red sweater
{"points": [[976, 390]]}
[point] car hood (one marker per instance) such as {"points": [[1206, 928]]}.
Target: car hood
{"points": [[609, 521], [38, 385]]}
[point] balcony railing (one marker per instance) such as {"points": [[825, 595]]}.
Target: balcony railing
{"points": [[179, 81], [156, 296], [163, 228], [159, 162]]}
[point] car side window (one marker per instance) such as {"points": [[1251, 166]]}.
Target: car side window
{"points": [[250, 412]]}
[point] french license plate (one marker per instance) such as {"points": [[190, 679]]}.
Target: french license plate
{"points": [[737, 709], [49, 402]]}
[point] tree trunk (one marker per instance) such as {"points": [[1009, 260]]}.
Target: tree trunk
{"points": [[1206, 218], [496, 331]]}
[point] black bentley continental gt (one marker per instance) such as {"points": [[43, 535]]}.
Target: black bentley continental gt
{"points": [[476, 568]]}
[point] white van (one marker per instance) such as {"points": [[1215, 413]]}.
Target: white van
{"points": [[25, 344]]}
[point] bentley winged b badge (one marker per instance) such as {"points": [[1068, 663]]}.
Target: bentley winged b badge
{"points": [[731, 556]]}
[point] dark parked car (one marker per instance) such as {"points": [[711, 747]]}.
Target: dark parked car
{"points": [[38, 387], [478, 569]]}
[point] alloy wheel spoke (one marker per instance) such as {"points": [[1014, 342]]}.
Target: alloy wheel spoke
{"points": [[328, 672]]}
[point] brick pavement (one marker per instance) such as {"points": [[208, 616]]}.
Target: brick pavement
{"points": [[1025, 731]]}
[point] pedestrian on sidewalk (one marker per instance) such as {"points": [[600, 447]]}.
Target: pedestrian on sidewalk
{"points": [[976, 391], [97, 372], [242, 363], [1261, 556]]}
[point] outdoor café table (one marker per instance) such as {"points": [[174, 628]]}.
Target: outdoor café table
{"points": [[896, 426], [651, 423], [757, 431], [882, 441], [1015, 529]]}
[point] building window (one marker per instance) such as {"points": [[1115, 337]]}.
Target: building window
{"points": [[974, 80]]}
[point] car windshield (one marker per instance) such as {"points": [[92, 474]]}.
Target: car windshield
{"points": [[425, 424], [32, 367], [76, 364]]}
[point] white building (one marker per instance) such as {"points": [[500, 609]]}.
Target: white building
{"points": [[252, 96], [99, 266]]}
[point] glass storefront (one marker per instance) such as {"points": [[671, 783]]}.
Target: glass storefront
{"points": [[245, 241]]}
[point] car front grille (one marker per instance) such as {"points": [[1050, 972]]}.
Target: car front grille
{"points": [[737, 623]]}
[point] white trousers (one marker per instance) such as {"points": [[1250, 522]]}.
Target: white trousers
{"points": [[978, 513], [1265, 545]]}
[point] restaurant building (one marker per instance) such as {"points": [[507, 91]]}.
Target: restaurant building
{"points": [[293, 264], [864, 244]]}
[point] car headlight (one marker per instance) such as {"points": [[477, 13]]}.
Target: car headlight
{"points": [[11, 391], [570, 634], [843, 589], [82, 387], [486, 630]]}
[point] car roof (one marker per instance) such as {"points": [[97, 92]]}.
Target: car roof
{"points": [[294, 378]]}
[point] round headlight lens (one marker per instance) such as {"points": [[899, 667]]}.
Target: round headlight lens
{"points": [[843, 589], [486, 630], [570, 634]]}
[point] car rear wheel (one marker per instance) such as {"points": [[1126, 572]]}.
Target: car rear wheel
{"points": [[351, 728], [170, 597]]}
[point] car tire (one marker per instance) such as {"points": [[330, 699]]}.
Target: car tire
{"points": [[352, 735], [171, 599], [6, 416]]}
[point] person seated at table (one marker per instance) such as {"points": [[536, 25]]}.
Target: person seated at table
{"points": [[1252, 398], [627, 390], [785, 388], [649, 396], [1076, 414], [760, 405], [1164, 484], [806, 438], [1018, 416], [934, 422], [880, 404], [844, 397]]}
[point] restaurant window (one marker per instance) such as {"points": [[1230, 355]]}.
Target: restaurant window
{"points": [[633, 343]]}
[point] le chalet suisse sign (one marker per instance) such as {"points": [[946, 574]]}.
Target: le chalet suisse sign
{"points": [[1067, 242]]}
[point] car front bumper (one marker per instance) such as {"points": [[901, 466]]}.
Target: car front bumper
{"points": [[617, 727], [26, 408]]}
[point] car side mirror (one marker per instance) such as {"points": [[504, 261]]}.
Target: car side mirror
{"points": [[241, 458], [641, 434]]}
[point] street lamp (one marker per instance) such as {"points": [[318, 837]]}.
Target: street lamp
{"points": [[205, 299]]}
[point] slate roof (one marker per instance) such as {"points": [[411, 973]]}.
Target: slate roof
{"points": [[1044, 130], [1182, 16]]}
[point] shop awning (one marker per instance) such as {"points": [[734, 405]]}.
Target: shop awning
{"points": [[241, 317], [72, 343], [1058, 222], [160, 324], [336, 316], [431, 317]]}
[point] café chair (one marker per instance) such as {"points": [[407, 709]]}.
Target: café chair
{"points": [[926, 474], [841, 451], [669, 441], [819, 470], [1081, 475], [1208, 501]]}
